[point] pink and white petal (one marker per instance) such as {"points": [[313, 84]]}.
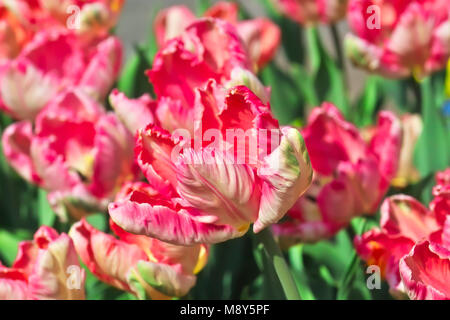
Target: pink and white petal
{"points": [[162, 278], [51, 273], [103, 69], [373, 58], [113, 157], [425, 272], [135, 114], [173, 115], [108, 258], [162, 222], [386, 143], [26, 256], [25, 90], [16, 142], [262, 38], [71, 105], [213, 183], [286, 174], [328, 133], [171, 22], [162, 252], [410, 41], [404, 215], [154, 148], [51, 167], [13, 284]]}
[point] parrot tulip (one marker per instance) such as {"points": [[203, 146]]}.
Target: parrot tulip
{"points": [[144, 266], [399, 38], [45, 268], [350, 180]]}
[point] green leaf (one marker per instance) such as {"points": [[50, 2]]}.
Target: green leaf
{"points": [[432, 151], [201, 6], [98, 221], [367, 102], [133, 81], [299, 272], [328, 79], [287, 101], [46, 216], [9, 243]]}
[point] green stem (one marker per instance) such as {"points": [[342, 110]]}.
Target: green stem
{"points": [[296, 260], [337, 46], [282, 270]]}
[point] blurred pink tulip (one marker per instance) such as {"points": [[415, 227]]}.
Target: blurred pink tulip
{"points": [[261, 36], [53, 61], [77, 152], [406, 223], [307, 12], [349, 181], [407, 173], [45, 268], [146, 267], [399, 38]]}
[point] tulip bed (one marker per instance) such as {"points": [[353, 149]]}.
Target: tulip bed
{"points": [[230, 156]]}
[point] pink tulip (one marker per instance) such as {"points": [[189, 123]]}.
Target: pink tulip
{"points": [[407, 173], [52, 62], [405, 224], [261, 36], [441, 192], [349, 181], [308, 12], [425, 272], [399, 38], [79, 153], [141, 265], [93, 16], [45, 268], [212, 192]]}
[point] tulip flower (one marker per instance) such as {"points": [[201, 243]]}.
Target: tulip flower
{"points": [[93, 18], [406, 224], [51, 62], [349, 181], [77, 152], [307, 12], [261, 36], [407, 173], [170, 114], [143, 266], [45, 268], [424, 272], [398, 39], [210, 193]]}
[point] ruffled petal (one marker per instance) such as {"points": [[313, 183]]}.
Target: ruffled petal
{"points": [[135, 114], [16, 142], [53, 269], [404, 215], [286, 175], [144, 213], [106, 257], [425, 272]]}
